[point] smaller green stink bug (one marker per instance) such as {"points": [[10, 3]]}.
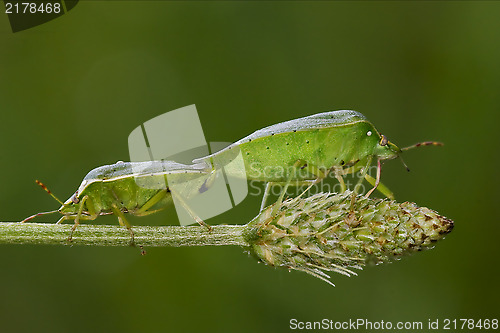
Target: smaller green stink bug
{"points": [[136, 188]]}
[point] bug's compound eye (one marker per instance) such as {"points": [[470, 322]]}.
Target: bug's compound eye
{"points": [[383, 140], [369, 133], [74, 198]]}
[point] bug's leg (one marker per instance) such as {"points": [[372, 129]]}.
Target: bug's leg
{"points": [[122, 220], [73, 217], [377, 180], [360, 181], [362, 176], [78, 216], [209, 181], [144, 210], [190, 211], [377, 185], [269, 185], [338, 176], [308, 183], [63, 218], [297, 166], [381, 187]]}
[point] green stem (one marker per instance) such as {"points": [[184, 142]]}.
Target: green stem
{"points": [[106, 235]]}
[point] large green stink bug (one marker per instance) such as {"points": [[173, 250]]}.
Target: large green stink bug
{"points": [[309, 148], [136, 188]]}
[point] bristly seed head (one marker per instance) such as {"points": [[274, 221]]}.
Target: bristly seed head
{"points": [[324, 233]]}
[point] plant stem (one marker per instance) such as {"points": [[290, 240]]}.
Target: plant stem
{"points": [[107, 235], [326, 232]]}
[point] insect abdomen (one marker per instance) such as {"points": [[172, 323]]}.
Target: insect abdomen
{"points": [[271, 158]]}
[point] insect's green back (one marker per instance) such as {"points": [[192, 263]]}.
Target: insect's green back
{"points": [[316, 121], [129, 185]]}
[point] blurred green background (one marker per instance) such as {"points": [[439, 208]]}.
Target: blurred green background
{"points": [[73, 89]]}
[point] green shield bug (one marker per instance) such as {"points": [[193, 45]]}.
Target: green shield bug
{"points": [[307, 149], [137, 188]]}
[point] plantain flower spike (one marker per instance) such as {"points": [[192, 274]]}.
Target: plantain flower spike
{"points": [[329, 232]]}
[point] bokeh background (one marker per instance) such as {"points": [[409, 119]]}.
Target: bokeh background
{"points": [[72, 90]]}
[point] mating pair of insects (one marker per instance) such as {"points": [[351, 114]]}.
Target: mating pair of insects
{"points": [[296, 152]]}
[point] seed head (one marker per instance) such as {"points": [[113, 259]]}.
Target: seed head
{"points": [[330, 232]]}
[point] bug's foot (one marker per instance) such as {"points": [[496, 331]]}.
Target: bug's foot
{"points": [[209, 228], [203, 224], [132, 240], [143, 252], [367, 195]]}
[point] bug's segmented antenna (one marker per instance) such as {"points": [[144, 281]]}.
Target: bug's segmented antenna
{"points": [[426, 143], [420, 144], [42, 185], [38, 214], [404, 164]]}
